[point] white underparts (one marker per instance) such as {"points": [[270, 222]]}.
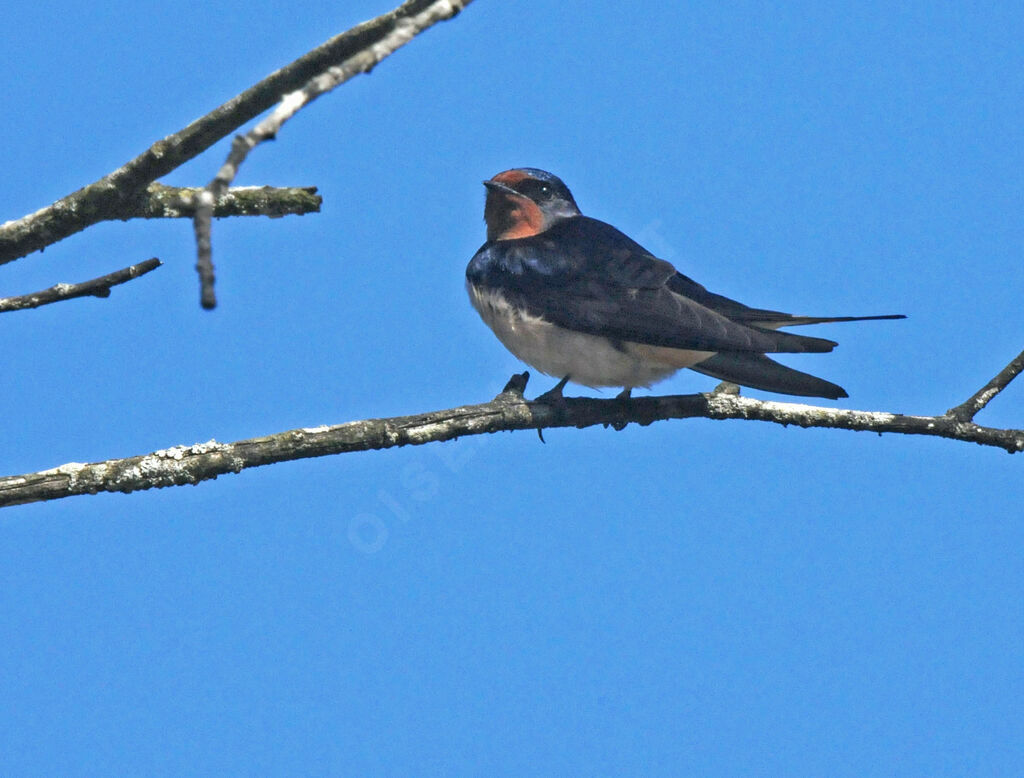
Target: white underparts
{"points": [[591, 360]]}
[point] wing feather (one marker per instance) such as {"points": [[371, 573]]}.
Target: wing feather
{"points": [[585, 275]]}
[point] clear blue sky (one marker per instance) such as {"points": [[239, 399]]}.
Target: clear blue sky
{"points": [[699, 597]]}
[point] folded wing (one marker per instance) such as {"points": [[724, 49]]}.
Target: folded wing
{"points": [[608, 285]]}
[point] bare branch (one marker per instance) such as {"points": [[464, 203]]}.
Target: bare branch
{"points": [[969, 409], [202, 224], [109, 197], [174, 202], [334, 73], [97, 287], [508, 411]]}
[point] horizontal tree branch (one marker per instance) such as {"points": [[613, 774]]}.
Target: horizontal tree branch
{"points": [[160, 201], [108, 197], [97, 287], [508, 411]]}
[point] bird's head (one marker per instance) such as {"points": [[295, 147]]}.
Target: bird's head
{"points": [[525, 201]]}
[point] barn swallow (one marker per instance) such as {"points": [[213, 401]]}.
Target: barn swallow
{"points": [[580, 301]]}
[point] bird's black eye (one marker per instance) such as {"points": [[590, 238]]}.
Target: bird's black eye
{"points": [[536, 190]]}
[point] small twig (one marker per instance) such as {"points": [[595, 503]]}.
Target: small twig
{"points": [[966, 411], [160, 201], [202, 224], [97, 287], [417, 18]]}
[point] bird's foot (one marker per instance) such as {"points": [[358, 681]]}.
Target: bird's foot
{"points": [[726, 387], [554, 396], [555, 399], [625, 394]]}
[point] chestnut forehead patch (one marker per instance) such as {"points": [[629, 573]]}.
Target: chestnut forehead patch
{"points": [[510, 177]]}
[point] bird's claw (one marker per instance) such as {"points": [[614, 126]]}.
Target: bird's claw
{"points": [[554, 398], [625, 394]]}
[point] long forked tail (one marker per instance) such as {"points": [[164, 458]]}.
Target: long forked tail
{"points": [[793, 321], [759, 372]]}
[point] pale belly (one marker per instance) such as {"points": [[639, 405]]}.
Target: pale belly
{"points": [[590, 360]]}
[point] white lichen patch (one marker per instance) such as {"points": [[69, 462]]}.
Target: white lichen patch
{"points": [[292, 102], [875, 417], [71, 468], [207, 447], [180, 452], [175, 452], [426, 433], [146, 468], [79, 471]]}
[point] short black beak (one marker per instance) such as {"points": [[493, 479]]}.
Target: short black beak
{"points": [[497, 186]]}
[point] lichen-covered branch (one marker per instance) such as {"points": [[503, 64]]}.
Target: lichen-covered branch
{"points": [[97, 287], [507, 412], [160, 201], [416, 18], [111, 196]]}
